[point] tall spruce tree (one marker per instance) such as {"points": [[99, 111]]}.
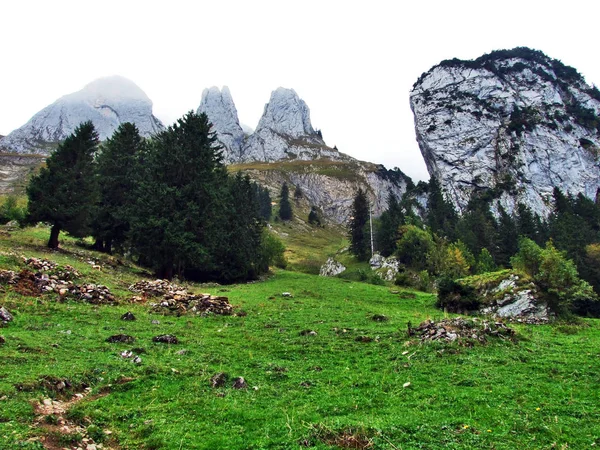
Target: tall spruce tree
{"points": [[285, 208], [507, 243], [441, 215], [64, 192], [388, 231], [359, 237], [179, 220], [116, 168]]}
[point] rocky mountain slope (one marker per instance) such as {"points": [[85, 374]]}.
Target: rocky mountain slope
{"points": [[286, 147], [515, 123], [107, 102]]}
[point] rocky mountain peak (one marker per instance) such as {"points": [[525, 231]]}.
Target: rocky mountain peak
{"points": [[107, 102], [218, 105], [287, 114], [285, 132], [512, 123]]}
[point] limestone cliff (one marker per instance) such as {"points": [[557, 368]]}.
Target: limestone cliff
{"points": [[513, 122]]}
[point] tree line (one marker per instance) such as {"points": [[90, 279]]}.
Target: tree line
{"points": [[167, 202], [442, 244]]}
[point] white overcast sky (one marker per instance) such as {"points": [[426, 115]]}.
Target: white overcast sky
{"points": [[353, 62]]}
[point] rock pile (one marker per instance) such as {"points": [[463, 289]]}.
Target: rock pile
{"points": [[34, 284], [203, 304], [177, 300], [156, 288], [41, 265], [460, 329]]}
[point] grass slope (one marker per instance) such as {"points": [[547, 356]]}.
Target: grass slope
{"points": [[305, 391]]}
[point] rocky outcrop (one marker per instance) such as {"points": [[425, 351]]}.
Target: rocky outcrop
{"points": [[219, 107], [504, 294], [515, 123], [386, 268], [285, 132], [331, 268], [107, 102]]}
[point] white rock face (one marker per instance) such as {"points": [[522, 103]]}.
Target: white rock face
{"points": [[107, 102], [285, 132], [331, 268], [219, 107], [513, 121]]}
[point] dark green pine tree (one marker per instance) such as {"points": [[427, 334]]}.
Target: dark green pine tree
{"points": [[389, 223], [477, 227], [180, 215], [441, 215], [116, 169], [285, 208], [359, 236], [64, 192], [508, 244], [239, 259], [264, 198], [314, 218]]}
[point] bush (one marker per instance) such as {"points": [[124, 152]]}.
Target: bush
{"points": [[557, 278], [272, 252], [456, 297], [10, 210], [413, 247]]}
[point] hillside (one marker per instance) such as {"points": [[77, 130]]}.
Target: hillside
{"points": [[328, 366]]}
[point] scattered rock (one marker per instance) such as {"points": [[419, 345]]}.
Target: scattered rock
{"points": [[331, 268], [240, 383], [181, 352], [124, 338], [380, 318], [166, 339], [2, 340], [460, 329], [137, 360], [308, 333], [218, 380], [5, 315], [155, 322], [128, 316], [286, 294]]}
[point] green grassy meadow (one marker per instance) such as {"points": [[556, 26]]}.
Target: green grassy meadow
{"points": [[323, 391]]}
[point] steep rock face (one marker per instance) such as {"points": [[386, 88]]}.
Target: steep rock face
{"points": [[285, 132], [514, 122], [220, 109], [107, 102], [332, 185]]}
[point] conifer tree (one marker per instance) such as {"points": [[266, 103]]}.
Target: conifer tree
{"points": [[116, 169], [359, 237], [389, 223], [64, 192], [441, 215], [314, 218], [507, 238], [179, 220], [285, 208]]}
